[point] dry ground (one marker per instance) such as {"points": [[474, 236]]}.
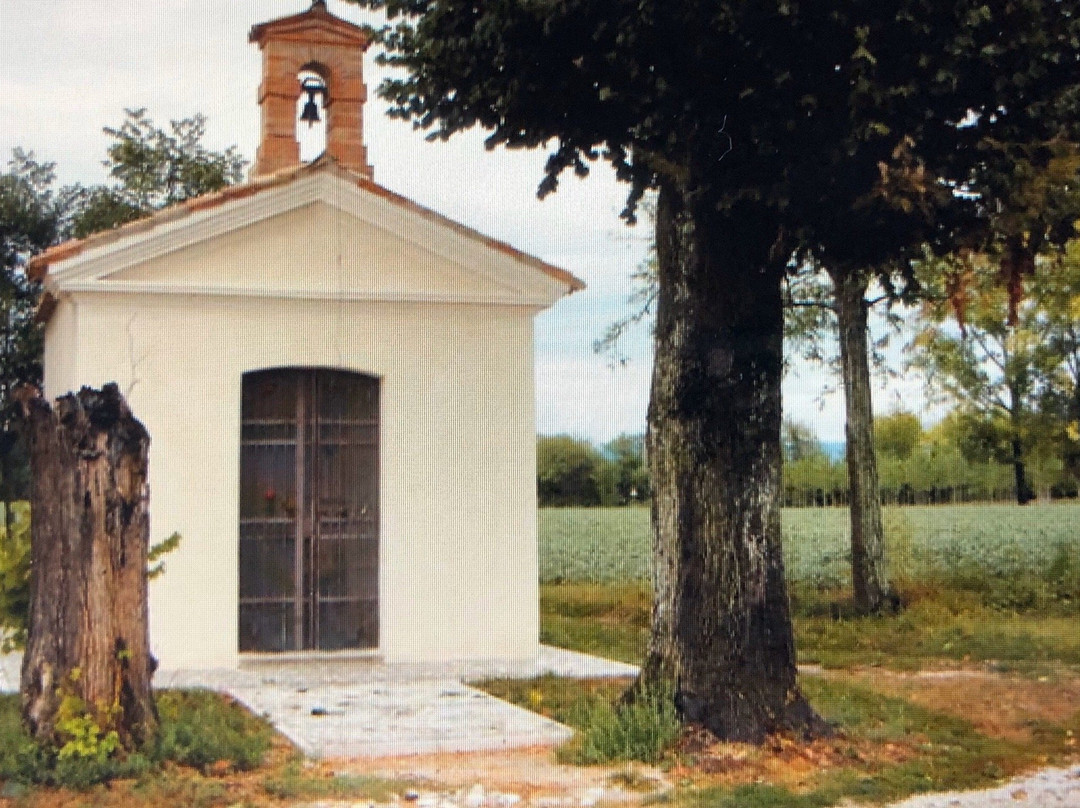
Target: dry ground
{"points": [[999, 706]]}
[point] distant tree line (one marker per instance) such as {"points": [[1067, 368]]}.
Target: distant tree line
{"points": [[944, 464], [571, 471], [947, 463]]}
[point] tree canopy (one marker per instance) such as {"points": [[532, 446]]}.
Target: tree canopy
{"points": [[151, 167], [773, 131], [816, 112]]}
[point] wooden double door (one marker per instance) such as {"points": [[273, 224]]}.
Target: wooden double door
{"points": [[309, 510]]}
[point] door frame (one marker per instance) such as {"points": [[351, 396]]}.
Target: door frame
{"points": [[307, 526]]}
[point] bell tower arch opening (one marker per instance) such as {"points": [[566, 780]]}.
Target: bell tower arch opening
{"points": [[311, 122]]}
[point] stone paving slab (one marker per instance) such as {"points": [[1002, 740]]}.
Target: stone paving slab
{"points": [[360, 707], [401, 718]]}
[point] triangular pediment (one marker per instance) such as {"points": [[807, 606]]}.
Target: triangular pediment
{"points": [[322, 235], [316, 25]]}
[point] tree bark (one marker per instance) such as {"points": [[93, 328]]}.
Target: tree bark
{"points": [[88, 632], [1024, 494], [721, 634], [869, 571]]}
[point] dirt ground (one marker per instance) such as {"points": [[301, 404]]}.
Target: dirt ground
{"points": [[1002, 706]]}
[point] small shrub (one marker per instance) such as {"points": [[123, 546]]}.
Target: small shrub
{"points": [[200, 729], [32, 764], [14, 574], [641, 729]]}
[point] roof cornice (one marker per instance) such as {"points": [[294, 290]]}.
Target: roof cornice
{"points": [[92, 260]]}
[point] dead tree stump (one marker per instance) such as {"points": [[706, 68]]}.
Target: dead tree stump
{"points": [[88, 639]]}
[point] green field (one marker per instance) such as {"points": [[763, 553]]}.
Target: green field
{"points": [[1006, 542], [979, 582]]}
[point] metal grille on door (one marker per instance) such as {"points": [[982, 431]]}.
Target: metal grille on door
{"points": [[309, 516]]}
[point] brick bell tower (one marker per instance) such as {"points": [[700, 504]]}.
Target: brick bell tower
{"points": [[314, 42]]}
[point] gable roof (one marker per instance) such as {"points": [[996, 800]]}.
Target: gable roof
{"points": [[146, 229], [316, 24]]}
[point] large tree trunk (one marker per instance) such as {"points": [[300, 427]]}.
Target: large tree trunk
{"points": [[1024, 494], [868, 567], [88, 633], [721, 634]]}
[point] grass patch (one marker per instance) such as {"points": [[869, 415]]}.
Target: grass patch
{"points": [[887, 747], [896, 739], [212, 753], [199, 729], [293, 783], [756, 795], [178, 788], [937, 624], [642, 729], [202, 729], [606, 620], [607, 730], [568, 701]]}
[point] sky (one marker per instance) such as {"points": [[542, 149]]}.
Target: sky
{"points": [[80, 63]]}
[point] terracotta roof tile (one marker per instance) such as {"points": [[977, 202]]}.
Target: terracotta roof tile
{"points": [[38, 266]]}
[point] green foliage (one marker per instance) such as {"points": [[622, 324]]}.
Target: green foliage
{"points": [[825, 121], [198, 729], [154, 167], [81, 733], [958, 460], [570, 471], [101, 208], [897, 434], [1002, 364], [24, 761], [815, 480], [567, 471], [31, 213], [155, 565], [800, 442], [15, 572], [14, 575], [640, 728], [630, 478]]}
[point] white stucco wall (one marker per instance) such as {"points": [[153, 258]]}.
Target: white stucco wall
{"points": [[458, 567]]}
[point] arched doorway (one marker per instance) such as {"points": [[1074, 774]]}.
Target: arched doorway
{"points": [[309, 510]]}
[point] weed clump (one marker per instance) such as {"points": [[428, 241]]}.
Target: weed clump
{"points": [[639, 729], [200, 729]]}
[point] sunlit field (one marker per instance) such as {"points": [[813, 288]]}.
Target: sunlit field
{"points": [[595, 545]]}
